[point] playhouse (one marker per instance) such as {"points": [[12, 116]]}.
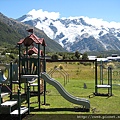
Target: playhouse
{"points": [[26, 71]]}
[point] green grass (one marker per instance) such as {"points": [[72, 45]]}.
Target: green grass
{"points": [[78, 75], [99, 105]]}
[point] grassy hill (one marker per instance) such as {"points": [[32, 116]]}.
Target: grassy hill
{"points": [[11, 31]]}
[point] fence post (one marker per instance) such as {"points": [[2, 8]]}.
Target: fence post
{"points": [[28, 98]]}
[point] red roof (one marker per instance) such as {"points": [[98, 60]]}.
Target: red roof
{"points": [[21, 41], [42, 41], [34, 50], [32, 38]]}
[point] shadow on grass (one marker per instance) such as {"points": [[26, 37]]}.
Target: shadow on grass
{"points": [[75, 109], [100, 95], [51, 117]]}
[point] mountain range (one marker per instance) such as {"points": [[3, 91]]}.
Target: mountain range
{"points": [[77, 33], [11, 31]]}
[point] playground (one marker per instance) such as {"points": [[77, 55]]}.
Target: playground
{"points": [[36, 85]]}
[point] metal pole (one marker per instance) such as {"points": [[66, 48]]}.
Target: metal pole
{"points": [[44, 69], [11, 72], [19, 93], [19, 66], [39, 69], [101, 72], [110, 80], [26, 61]]}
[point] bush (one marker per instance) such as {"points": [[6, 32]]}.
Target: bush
{"points": [[54, 57], [12, 56], [60, 67], [55, 66], [112, 65]]}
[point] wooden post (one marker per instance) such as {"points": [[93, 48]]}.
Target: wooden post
{"points": [[96, 76], [19, 103], [28, 98]]}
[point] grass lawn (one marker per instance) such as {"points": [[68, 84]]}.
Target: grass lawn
{"points": [[56, 104]]}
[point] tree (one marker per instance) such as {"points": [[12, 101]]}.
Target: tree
{"points": [[54, 57], [77, 55], [85, 56], [64, 57]]}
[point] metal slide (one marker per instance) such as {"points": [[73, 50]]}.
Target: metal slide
{"points": [[80, 101]]}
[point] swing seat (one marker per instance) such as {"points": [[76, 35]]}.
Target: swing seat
{"points": [[103, 86]]}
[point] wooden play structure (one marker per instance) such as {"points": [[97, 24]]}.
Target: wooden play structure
{"points": [[31, 67], [26, 72]]}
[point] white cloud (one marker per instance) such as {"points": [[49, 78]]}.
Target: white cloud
{"points": [[55, 15], [100, 22], [42, 14]]}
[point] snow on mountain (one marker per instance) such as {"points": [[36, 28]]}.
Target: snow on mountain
{"points": [[76, 33]]}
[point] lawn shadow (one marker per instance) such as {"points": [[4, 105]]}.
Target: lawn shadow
{"points": [[100, 94], [75, 109]]}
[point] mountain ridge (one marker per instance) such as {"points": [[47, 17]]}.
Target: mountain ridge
{"points": [[12, 31], [77, 33]]}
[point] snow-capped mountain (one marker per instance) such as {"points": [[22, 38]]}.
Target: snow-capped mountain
{"points": [[76, 33]]}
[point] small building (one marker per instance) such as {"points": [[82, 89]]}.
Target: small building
{"points": [[98, 59]]}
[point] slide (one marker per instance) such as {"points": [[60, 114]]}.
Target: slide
{"points": [[79, 101]]}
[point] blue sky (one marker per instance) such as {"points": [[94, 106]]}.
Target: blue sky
{"points": [[107, 10]]}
